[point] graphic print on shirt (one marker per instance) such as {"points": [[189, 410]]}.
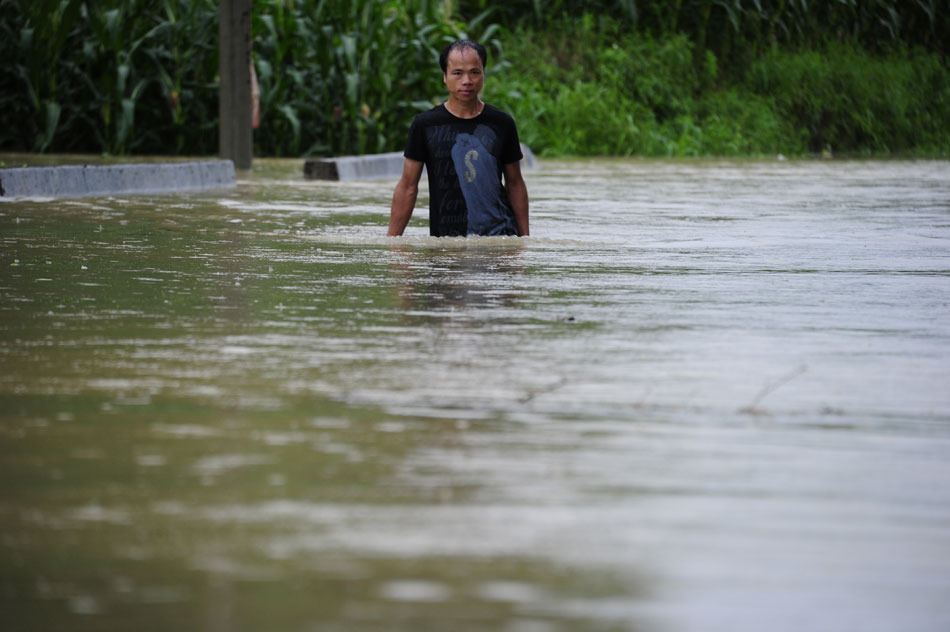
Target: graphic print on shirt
{"points": [[477, 169]]}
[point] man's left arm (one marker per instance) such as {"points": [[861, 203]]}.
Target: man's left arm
{"points": [[518, 194]]}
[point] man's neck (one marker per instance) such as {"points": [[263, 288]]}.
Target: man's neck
{"points": [[465, 110]]}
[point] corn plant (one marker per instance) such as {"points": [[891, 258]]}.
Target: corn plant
{"points": [[111, 76], [35, 34], [182, 56], [346, 77]]}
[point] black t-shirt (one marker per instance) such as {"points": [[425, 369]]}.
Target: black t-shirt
{"points": [[465, 159]]}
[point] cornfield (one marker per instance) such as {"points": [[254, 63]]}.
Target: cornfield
{"points": [[137, 76]]}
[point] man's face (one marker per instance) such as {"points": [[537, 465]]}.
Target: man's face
{"points": [[464, 74]]}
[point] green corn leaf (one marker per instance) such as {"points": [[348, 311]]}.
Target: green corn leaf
{"points": [[349, 50], [291, 115], [352, 89], [122, 75], [53, 112], [125, 124], [138, 90]]}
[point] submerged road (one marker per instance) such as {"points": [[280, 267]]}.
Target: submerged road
{"points": [[704, 395]]}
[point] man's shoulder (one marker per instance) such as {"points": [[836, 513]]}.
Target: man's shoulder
{"points": [[498, 114], [429, 117]]}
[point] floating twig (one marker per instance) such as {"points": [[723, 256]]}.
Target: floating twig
{"points": [[753, 408]]}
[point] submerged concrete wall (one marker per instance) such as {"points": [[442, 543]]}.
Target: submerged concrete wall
{"points": [[354, 167], [373, 166], [93, 180]]}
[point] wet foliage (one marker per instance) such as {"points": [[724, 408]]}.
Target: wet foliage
{"points": [[737, 29], [124, 77], [592, 87], [617, 77]]}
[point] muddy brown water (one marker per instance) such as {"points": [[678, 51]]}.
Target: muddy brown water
{"points": [[704, 395]]}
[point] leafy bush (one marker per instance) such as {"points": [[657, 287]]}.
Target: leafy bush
{"points": [[733, 122], [845, 99], [602, 92], [592, 87]]}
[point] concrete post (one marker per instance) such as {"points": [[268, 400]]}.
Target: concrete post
{"points": [[236, 137]]}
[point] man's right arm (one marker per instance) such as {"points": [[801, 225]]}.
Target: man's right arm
{"points": [[404, 198]]}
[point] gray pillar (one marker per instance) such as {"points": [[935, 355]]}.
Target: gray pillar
{"points": [[236, 137]]}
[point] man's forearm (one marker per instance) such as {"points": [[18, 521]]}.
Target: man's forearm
{"points": [[404, 201], [518, 193], [404, 197]]}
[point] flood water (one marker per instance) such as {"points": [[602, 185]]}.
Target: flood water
{"points": [[702, 396]]}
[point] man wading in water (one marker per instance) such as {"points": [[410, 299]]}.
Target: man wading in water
{"points": [[466, 145]]}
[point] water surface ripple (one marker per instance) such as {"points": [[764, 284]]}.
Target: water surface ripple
{"points": [[704, 395]]}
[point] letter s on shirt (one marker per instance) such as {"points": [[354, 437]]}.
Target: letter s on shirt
{"points": [[470, 168]]}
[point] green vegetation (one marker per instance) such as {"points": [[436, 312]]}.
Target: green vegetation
{"points": [[339, 76], [590, 88], [737, 30], [115, 76], [585, 77], [137, 76]]}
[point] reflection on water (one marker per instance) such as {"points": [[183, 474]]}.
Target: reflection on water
{"points": [[436, 281], [704, 395]]}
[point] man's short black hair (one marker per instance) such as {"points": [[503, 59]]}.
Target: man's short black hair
{"points": [[462, 45]]}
